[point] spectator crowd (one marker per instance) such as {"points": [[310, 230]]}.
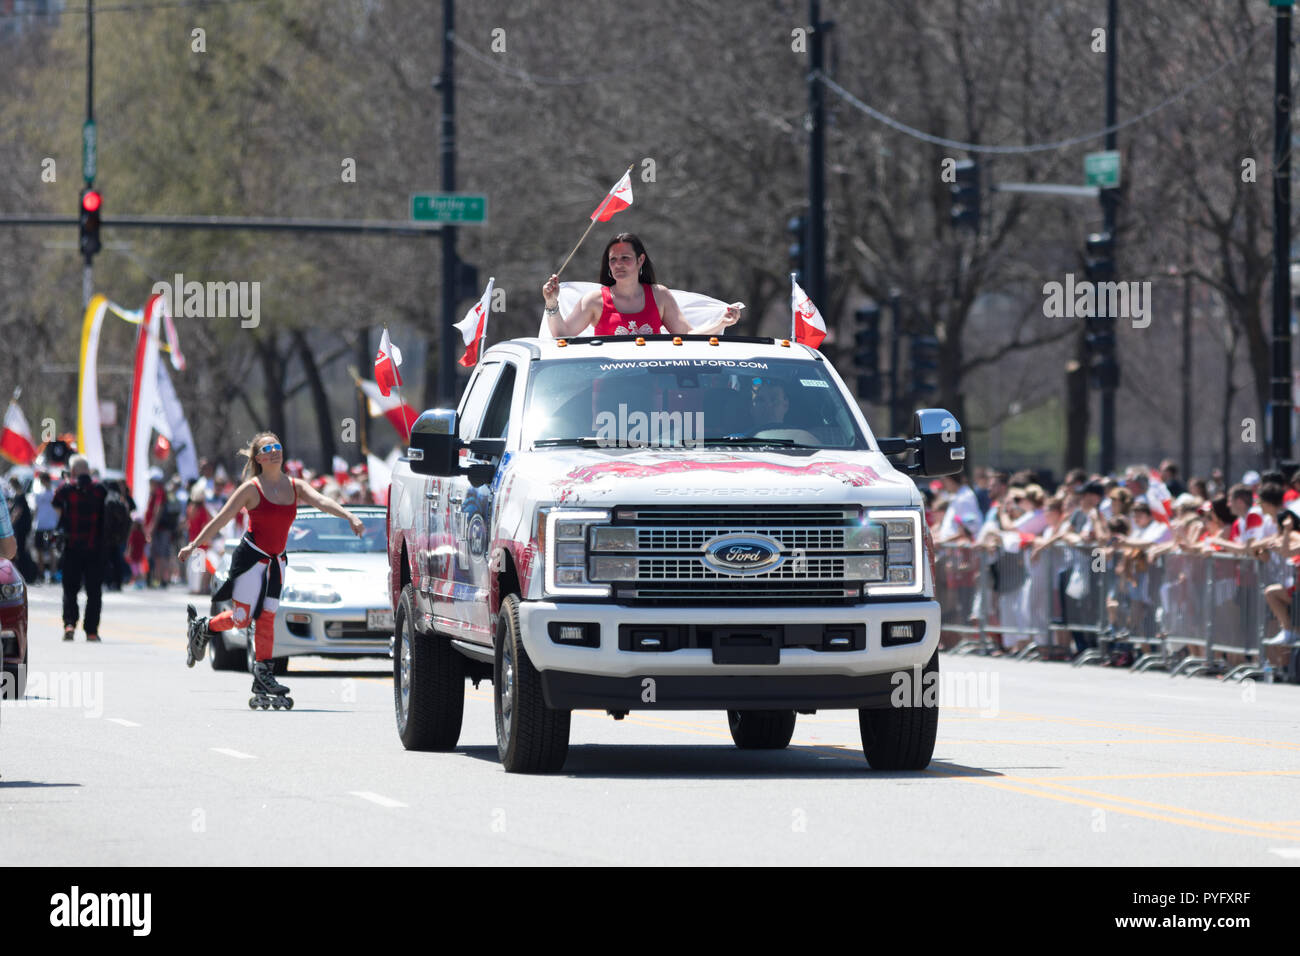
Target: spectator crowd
{"points": [[1120, 525]]}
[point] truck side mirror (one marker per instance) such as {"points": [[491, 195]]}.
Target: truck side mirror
{"points": [[937, 438], [434, 448]]}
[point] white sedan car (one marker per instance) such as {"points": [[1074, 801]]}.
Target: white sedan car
{"points": [[335, 596]]}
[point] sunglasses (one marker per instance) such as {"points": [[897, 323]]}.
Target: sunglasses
{"points": [[267, 449]]}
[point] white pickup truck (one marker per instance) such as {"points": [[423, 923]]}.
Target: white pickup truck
{"points": [[664, 523]]}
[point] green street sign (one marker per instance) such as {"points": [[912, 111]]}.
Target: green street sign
{"points": [[1102, 169], [462, 208], [88, 140]]}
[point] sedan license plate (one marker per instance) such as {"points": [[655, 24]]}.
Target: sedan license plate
{"points": [[379, 620]]}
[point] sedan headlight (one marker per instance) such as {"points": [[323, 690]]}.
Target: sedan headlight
{"points": [[310, 594], [12, 592]]}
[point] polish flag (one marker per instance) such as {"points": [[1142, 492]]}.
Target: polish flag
{"points": [[16, 443], [618, 199], [809, 326], [1158, 497], [386, 361], [399, 414], [474, 326]]}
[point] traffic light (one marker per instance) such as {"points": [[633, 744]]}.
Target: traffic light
{"points": [[1099, 341], [866, 352], [798, 234], [1099, 264], [924, 365], [965, 194], [88, 222]]}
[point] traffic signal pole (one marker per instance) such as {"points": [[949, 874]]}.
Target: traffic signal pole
{"points": [[1280, 397], [815, 279], [1108, 201], [446, 377], [87, 162]]}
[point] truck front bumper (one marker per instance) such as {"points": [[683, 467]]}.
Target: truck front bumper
{"points": [[793, 677]]}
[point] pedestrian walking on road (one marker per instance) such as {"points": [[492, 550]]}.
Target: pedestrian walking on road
{"points": [[160, 520], [20, 516], [257, 567], [80, 503], [45, 526]]}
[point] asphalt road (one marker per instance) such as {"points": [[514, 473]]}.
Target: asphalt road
{"points": [[122, 756]]}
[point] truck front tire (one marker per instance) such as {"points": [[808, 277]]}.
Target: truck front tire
{"points": [[531, 737], [761, 729], [902, 737], [428, 683]]}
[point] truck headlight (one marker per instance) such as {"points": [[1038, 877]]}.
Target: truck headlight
{"points": [[902, 546], [563, 535]]}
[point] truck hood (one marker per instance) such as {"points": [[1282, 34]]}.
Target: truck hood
{"points": [[599, 477]]}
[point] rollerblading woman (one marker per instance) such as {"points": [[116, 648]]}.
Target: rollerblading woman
{"points": [[257, 567]]}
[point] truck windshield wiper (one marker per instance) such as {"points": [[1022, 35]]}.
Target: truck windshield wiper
{"points": [[584, 441], [750, 440]]}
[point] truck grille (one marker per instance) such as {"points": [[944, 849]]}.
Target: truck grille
{"points": [[694, 539], [671, 570], [693, 569]]}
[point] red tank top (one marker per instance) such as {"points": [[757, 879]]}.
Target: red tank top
{"points": [[613, 322], [268, 523]]}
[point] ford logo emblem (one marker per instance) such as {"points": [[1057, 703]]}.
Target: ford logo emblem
{"points": [[743, 554]]}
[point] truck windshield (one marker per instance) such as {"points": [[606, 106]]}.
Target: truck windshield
{"points": [[688, 403]]}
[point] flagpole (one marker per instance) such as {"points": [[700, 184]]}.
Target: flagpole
{"points": [[599, 209], [793, 331], [402, 409], [575, 249]]}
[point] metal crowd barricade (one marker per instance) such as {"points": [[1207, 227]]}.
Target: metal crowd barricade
{"points": [[1233, 616], [1184, 613], [957, 582]]}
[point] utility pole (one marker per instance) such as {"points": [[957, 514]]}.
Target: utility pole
{"points": [[445, 380], [1186, 463], [814, 282], [1109, 198], [1280, 399]]}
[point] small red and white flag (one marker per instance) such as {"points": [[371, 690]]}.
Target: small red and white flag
{"points": [[398, 413], [1158, 497], [386, 361], [618, 199], [16, 443], [808, 324], [474, 326]]}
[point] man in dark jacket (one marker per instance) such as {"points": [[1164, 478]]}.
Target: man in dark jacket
{"points": [[80, 503]]}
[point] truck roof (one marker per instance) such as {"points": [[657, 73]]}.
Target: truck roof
{"points": [[657, 346]]}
